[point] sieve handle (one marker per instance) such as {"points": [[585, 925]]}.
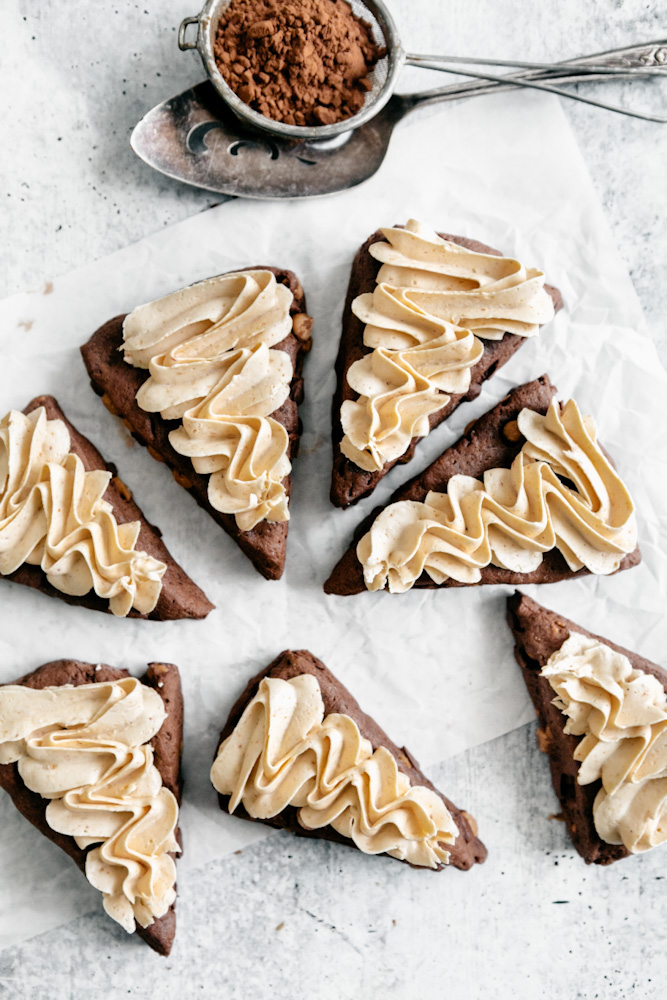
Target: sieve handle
{"points": [[641, 60], [622, 63], [183, 44]]}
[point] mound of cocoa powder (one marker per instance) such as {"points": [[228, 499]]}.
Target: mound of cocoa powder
{"points": [[303, 62]]}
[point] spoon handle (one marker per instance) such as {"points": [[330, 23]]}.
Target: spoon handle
{"points": [[629, 58]]}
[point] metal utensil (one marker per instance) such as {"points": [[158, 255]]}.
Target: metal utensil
{"points": [[383, 78], [196, 138]]}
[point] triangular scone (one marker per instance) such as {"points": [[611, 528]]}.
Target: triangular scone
{"points": [[359, 759], [628, 804], [177, 595], [493, 442], [118, 382], [162, 678], [350, 482]]}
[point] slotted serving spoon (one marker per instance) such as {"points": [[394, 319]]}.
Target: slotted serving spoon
{"points": [[199, 138]]}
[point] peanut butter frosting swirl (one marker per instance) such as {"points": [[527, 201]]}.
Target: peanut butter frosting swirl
{"points": [[560, 492], [53, 515], [285, 752], [621, 715], [432, 303], [208, 350], [87, 750]]}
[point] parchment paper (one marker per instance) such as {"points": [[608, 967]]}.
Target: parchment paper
{"points": [[435, 669]]}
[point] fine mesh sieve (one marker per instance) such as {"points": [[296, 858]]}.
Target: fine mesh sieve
{"points": [[384, 76]]}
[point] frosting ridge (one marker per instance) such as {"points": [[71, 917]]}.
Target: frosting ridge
{"points": [[621, 715], [512, 516], [208, 348], [53, 515], [87, 750], [284, 751], [432, 303]]}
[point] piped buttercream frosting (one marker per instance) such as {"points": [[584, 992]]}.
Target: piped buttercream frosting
{"points": [[433, 305], [561, 492], [53, 514], [284, 752], [87, 750], [621, 716], [209, 349]]}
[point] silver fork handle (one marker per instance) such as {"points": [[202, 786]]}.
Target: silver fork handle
{"points": [[629, 58]]}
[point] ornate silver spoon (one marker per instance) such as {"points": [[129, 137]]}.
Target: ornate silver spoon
{"points": [[195, 137]]}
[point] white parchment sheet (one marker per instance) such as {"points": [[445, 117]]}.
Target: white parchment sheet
{"points": [[435, 669]]}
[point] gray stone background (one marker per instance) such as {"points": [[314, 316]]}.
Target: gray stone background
{"points": [[293, 919]]}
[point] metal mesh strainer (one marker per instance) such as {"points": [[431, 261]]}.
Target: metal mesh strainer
{"points": [[383, 77], [385, 73]]}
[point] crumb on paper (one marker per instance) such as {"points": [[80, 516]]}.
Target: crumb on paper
{"points": [[280, 925], [26, 324], [48, 288]]}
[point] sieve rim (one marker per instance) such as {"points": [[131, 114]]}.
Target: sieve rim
{"points": [[207, 24]]}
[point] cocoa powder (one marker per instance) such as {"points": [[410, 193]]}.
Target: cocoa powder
{"points": [[303, 62]]}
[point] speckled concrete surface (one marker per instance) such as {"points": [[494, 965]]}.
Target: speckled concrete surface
{"points": [[293, 919]]}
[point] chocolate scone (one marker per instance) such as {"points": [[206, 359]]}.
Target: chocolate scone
{"points": [[179, 597], [493, 441], [539, 634], [118, 383], [350, 483], [166, 745], [326, 710]]}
